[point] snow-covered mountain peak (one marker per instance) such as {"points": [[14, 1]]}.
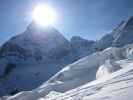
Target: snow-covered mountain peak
{"points": [[79, 40], [45, 51], [120, 36], [123, 34], [37, 53], [124, 25], [38, 39], [130, 22], [35, 28], [81, 46]]}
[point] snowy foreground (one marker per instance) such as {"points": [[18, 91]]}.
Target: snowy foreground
{"points": [[116, 86], [113, 79]]}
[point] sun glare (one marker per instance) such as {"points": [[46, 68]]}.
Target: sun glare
{"points": [[44, 15]]}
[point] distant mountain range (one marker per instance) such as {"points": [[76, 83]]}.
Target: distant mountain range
{"points": [[31, 58]]}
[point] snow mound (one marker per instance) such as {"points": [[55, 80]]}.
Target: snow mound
{"points": [[130, 53], [118, 86], [52, 94], [106, 69]]}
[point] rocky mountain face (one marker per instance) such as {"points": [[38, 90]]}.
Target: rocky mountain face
{"points": [[81, 47], [36, 43], [123, 35], [119, 37], [34, 56], [31, 58]]}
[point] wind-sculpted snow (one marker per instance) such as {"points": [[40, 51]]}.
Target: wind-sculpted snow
{"points": [[117, 86], [78, 81], [109, 67]]}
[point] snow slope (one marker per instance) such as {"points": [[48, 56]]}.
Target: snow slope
{"points": [[110, 66], [78, 80], [116, 86]]}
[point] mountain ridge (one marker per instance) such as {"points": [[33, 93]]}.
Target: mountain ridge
{"points": [[40, 53]]}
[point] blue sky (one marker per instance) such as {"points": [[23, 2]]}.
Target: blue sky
{"points": [[90, 19]]}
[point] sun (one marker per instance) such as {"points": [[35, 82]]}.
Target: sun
{"points": [[44, 15]]}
